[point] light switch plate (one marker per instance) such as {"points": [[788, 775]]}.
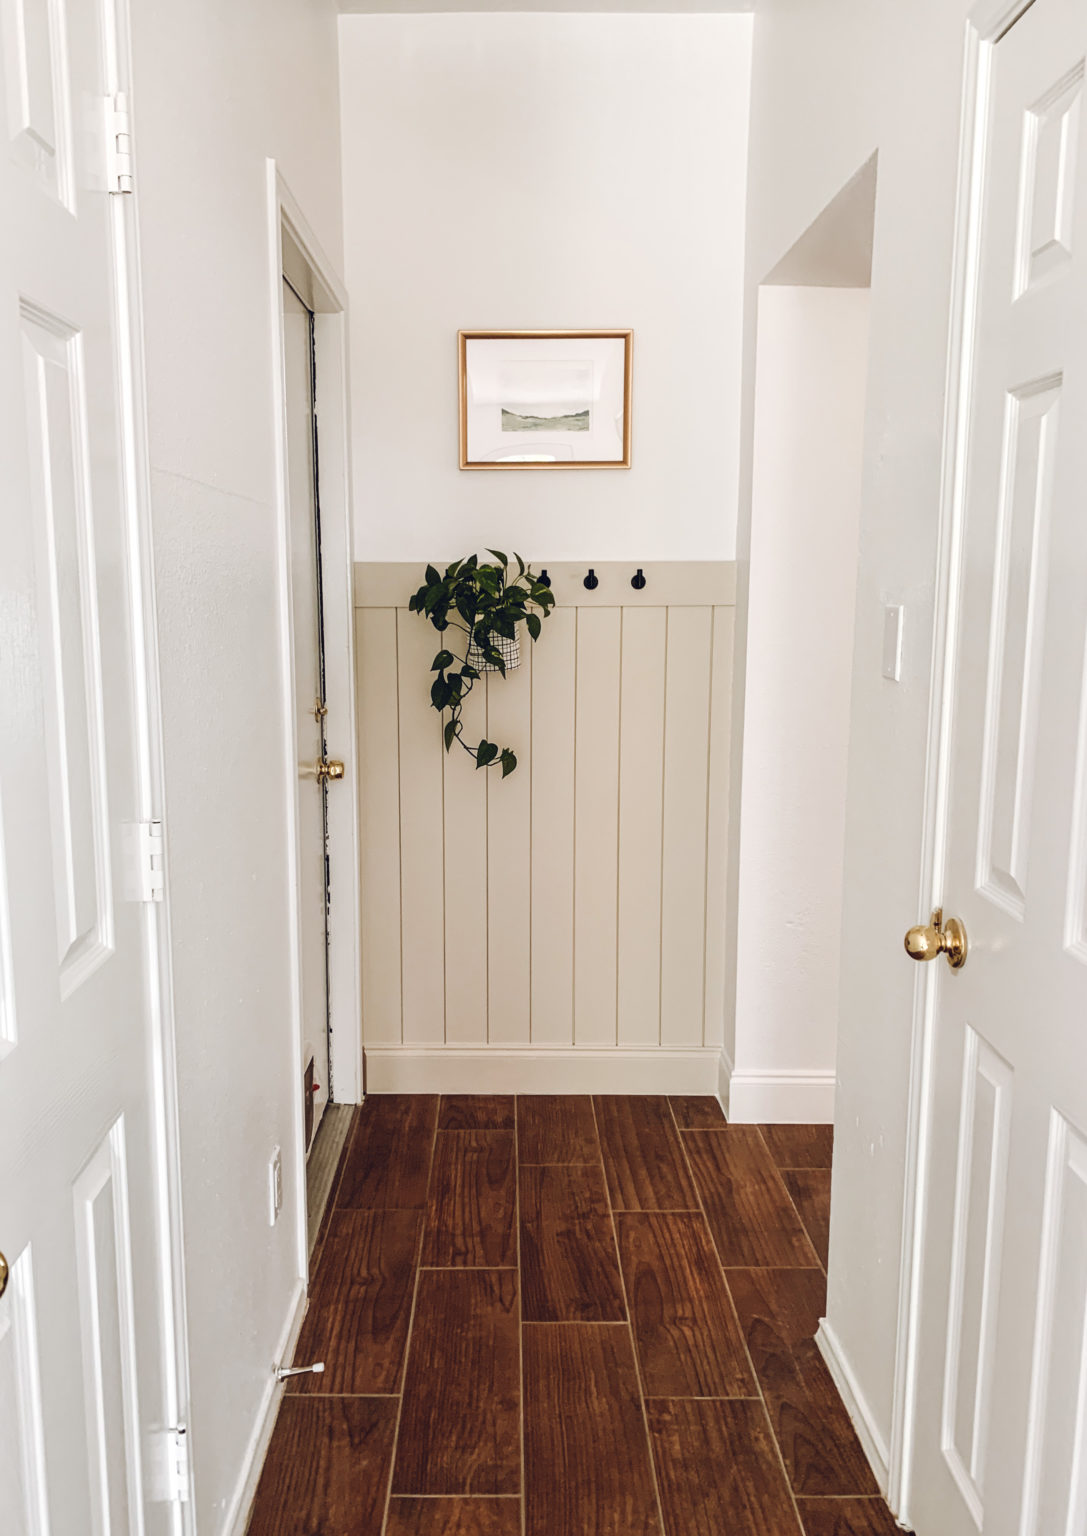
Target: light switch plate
{"points": [[892, 641]]}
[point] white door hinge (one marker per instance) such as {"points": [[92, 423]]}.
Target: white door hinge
{"points": [[118, 144], [179, 1469], [150, 859]]}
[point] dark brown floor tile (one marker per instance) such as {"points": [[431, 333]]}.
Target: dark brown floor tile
{"points": [[569, 1271], [800, 1146], [472, 1201], [454, 1517], [360, 1304], [388, 1163], [460, 1424], [685, 1331], [697, 1113], [556, 1128], [718, 1470], [476, 1112], [751, 1216], [643, 1158], [330, 1204], [846, 1517], [327, 1467], [779, 1310], [810, 1191], [587, 1470]]}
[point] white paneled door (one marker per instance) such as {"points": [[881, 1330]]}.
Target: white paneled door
{"points": [[309, 696], [85, 1443], [1001, 1415]]}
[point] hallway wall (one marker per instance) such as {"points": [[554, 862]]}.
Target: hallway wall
{"points": [[832, 84], [545, 170], [218, 88], [812, 360], [560, 930]]}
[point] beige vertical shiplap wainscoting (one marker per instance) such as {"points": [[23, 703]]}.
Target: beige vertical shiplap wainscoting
{"points": [[561, 930]]}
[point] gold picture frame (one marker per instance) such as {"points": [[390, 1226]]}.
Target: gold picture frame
{"points": [[581, 390]]}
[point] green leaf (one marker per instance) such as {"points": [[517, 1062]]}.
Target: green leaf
{"points": [[432, 576], [521, 566], [440, 693], [499, 556], [509, 762], [450, 733], [486, 753], [533, 625], [442, 660]]}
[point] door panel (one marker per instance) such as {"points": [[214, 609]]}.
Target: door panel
{"points": [[84, 1328], [309, 691], [1000, 1410]]}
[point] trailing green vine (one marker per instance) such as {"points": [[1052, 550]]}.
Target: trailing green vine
{"points": [[482, 603]]}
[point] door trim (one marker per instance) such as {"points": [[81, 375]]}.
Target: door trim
{"points": [[150, 760], [985, 26], [289, 233]]}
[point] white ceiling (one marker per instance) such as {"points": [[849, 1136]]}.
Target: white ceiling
{"points": [[406, 7]]}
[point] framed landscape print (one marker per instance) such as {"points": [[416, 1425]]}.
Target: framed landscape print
{"points": [[545, 399]]}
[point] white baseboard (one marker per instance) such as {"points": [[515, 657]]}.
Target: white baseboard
{"points": [[781, 1098], [724, 1080], [538, 1069], [856, 1405], [241, 1505]]}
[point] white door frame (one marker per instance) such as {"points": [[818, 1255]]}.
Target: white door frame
{"points": [[150, 765], [290, 236], [986, 25]]}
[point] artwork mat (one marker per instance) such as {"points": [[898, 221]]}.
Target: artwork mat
{"points": [[625, 336]]}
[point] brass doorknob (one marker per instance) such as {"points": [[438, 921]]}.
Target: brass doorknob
{"points": [[327, 769], [938, 938], [4, 1272]]}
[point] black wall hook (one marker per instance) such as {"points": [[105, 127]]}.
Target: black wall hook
{"points": [[637, 581], [544, 578], [592, 581]]}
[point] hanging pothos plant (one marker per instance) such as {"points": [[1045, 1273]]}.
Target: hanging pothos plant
{"points": [[486, 606]]}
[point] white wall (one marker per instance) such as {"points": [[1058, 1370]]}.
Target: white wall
{"points": [[812, 355], [217, 89], [831, 84], [524, 171]]}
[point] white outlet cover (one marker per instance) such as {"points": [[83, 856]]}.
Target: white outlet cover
{"points": [[275, 1186]]}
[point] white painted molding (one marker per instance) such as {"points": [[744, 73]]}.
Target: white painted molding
{"points": [[669, 583], [725, 1070], [241, 1505], [781, 1098], [872, 1441], [538, 1069]]}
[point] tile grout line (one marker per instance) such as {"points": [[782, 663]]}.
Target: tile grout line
{"points": [[740, 1328], [411, 1328], [630, 1331]]}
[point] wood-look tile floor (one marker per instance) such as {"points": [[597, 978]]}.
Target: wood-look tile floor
{"points": [[569, 1317]]}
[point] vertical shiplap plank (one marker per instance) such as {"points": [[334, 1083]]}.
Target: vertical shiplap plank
{"points": [[509, 816], [717, 824], [379, 824], [641, 769], [552, 841], [466, 879], [422, 852], [683, 875], [596, 831]]}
